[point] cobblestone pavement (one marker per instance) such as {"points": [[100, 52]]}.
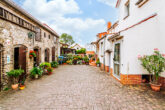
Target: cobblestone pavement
{"points": [[81, 88]]}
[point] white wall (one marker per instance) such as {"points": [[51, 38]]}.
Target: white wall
{"points": [[143, 38]]}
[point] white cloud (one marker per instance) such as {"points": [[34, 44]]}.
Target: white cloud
{"points": [[53, 13], [108, 2]]}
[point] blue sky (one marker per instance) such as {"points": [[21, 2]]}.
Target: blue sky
{"points": [[82, 19]]}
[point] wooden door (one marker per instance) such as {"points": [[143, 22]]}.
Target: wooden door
{"points": [[22, 58], [47, 55], [53, 54]]}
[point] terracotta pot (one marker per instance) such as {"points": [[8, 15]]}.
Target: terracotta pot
{"points": [[49, 73], [14, 86], [22, 87], [155, 87]]}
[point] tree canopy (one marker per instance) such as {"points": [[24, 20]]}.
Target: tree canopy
{"points": [[67, 39]]}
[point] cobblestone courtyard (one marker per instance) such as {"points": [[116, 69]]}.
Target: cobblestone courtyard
{"points": [[81, 88]]}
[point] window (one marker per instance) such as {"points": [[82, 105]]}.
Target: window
{"points": [[38, 34], [1, 12], [49, 36], [44, 34], [127, 11], [54, 39]]}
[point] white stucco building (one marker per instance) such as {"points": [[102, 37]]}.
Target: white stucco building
{"points": [[138, 31]]}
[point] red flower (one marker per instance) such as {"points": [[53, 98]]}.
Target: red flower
{"points": [[156, 49]]}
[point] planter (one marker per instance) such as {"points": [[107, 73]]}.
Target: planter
{"points": [[87, 63], [36, 76], [75, 62], [22, 87], [49, 73], [14, 86], [98, 65], [155, 87], [64, 63]]}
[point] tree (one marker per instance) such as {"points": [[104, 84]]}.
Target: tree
{"points": [[67, 39]]}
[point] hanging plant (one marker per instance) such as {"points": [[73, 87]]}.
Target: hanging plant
{"points": [[32, 54], [30, 35]]}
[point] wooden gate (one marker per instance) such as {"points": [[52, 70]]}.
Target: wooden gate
{"points": [[53, 54], [0, 66]]}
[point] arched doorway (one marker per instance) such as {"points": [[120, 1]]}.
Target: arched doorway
{"points": [[1, 65], [20, 59], [47, 53], [53, 54], [37, 58]]}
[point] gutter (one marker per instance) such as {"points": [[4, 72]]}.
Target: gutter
{"points": [[21, 10]]}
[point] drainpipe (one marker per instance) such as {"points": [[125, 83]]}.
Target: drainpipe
{"points": [[104, 52]]}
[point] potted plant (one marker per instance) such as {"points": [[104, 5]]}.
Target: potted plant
{"points": [[32, 54], [98, 62], [49, 70], [75, 58], [54, 64], [14, 74], [36, 72], [155, 65], [22, 83], [86, 59]]}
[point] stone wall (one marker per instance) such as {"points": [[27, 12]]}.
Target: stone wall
{"points": [[12, 36]]}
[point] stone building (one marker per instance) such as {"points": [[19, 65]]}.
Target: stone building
{"points": [[19, 33]]}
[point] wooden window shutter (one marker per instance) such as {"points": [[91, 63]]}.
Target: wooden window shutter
{"points": [[53, 53], [38, 34]]}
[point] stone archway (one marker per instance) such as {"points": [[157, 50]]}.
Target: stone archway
{"points": [[47, 54], [20, 59]]}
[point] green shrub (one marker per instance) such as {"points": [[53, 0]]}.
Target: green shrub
{"points": [[54, 64], [45, 65], [35, 71], [14, 74]]}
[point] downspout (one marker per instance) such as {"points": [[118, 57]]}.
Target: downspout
{"points": [[104, 53]]}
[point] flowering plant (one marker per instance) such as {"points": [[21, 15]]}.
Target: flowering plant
{"points": [[32, 54], [154, 64], [49, 69]]}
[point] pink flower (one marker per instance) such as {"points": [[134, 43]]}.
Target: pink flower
{"points": [[139, 56], [163, 55], [156, 49]]}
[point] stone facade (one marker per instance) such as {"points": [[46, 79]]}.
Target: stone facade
{"points": [[13, 35]]}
